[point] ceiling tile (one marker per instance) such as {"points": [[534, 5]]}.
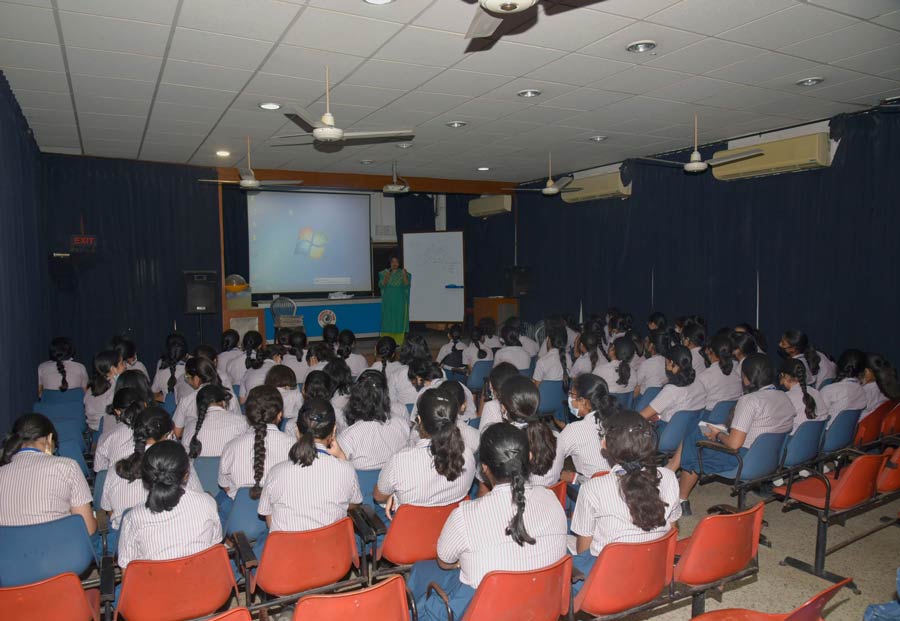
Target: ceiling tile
{"points": [[346, 114], [714, 16], [857, 39], [429, 102], [509, 92], [396, 11], [31, 79], [205, 76], [740, 96], [183, 141], [509, 59], [57, 135], [253, 19], [27, 23], [543, 115], [643, 106], [111, 105], [832, 75], [876, 98], [877, 61], [43, 99], [215, 49], [160, 124], [113, 64], [489, 109], [639, 80], [270, 86], [450, 16], [797, 23], [691, 90], [585, 99], [630, 8], [468, 83], [190, 96], [259, 119], [706, 55], [854, 89], [866, 9], [111, 148], [45, 4], [389, 74], [301, 62], [891, 20], [27, 55], [157, 11], [340, 32], [758, 69], [393, 118], [578, 69], [568, 30], [363, 95], [49, 117], [425, 46], [180, 112], [113, 121], [112, 87], [668, 40], [165, 151], [113, 35]]}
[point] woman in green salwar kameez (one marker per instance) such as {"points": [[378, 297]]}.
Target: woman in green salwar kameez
{"points": [[394, 285]]}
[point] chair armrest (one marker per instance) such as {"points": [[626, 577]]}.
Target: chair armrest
{"points": [[107, 579], [434, 588], [361, 524], [716, 446], [374, 521], [244, 550], [577, 575], [412, 604]]}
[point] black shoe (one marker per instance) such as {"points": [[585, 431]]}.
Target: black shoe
{"points": [[686, 508]]}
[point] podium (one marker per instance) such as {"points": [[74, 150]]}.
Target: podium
{"points": [[497, 308]]}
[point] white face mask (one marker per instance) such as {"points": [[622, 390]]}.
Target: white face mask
{"points": [[572, 407]]}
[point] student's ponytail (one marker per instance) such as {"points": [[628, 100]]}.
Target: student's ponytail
{"points": [[624, 348], [521, 399], [813, 359], [591, 342], [885, 375], [696, 334], [103, 362], [504, 450], [176, 350], [27, 428], [297, 343], [559, 339], [62, 349], [437, 410], [164, 471], [723, 347], [315, 422], [510, 336], [252, 342], [207, 396], [477, 335], [151, 424], [794, 368], [346, 340], [129, 402], [264, 404], [386, 348]]}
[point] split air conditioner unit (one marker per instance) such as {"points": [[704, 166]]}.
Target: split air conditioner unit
{"points": [[780, 156], [490, 206], [598, 186]]}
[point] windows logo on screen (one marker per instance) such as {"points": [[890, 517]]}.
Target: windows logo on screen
{"points": [[310, 244]]}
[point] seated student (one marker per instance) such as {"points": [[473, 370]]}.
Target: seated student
{"points": [[174, 521], [459, 393], [879, 382], [215, 425], [108, 365], [61, 372], [128, 350], [477, 350], [520, 399], [636, 502], [238, 365], [295, 355], [115, 440], [693, 337], [316, 485], [282, 377], [210, 353], [170, 367], [722, 380], [617, 373], [450, 355], [491, 413], [795, 344], [318, 385], [346, 344], [425, 374], [438, 470], [319, 355], [512, 350], [847, 392], [681, 392], [515, 527], [248, 458], [199, 372], [587, 350], [229, 350], [652, 372], [488, 328], [744, 345], [807, 401], [373, 435], [555, 364], [330, 334], [402, 391], [528, 344], [762, 409], [759, 339], [341, 381], [258, 365], [385, 356], [35, 485], [591, 404], [657, 321]]}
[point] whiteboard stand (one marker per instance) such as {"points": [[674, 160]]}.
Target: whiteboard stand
{"points": [[437, 276]]}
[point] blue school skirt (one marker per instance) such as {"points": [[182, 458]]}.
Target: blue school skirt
{"points": [[432, 608]]}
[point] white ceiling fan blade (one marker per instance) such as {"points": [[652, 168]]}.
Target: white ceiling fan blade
{"points": [[303, 118], [563, 182], [281, 182], [294, 144], [483, 24], [219, 181], [734, 158], [285, 136], [246, 173], [570, 190], [655, 160], [398, 133], [522, 189]]}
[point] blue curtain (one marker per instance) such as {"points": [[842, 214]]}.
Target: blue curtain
{"points": [[153, 221], [415, 214], [235, 226], [24, 333]]}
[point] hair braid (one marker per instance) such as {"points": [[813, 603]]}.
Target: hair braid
{"points": [[516, 528], [63, 382]]}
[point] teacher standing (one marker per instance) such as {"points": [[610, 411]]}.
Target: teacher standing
{"points": [[394, 285]]}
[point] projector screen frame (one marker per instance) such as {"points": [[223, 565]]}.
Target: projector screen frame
{"points": [[313, 294]]}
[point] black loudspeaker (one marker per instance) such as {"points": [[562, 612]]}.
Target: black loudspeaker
{"points": [[201, 293], [519, 279]]}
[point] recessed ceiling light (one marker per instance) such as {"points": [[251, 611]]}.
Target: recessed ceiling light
{"points": [[529, 92], [378, 2], [598, 138], [639, 47], [223, 153], [270, 105], [404, 145], [484, 168], [456, 124], [366, 162], [811, 81]]}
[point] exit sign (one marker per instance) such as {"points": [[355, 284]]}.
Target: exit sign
{"points": [[83, 243]]}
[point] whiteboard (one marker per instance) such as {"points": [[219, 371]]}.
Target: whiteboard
{"points": [[434, 261]]}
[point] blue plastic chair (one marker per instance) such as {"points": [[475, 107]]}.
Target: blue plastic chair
{"points": [[840, 434], [236, 389], [99, 482], [40, 551], [646, 397], [624, 399], [802, 446], [526, 372], [244, 516], [720, 413], [553, 398], [534, 360], [70, 429], [759, 461], [826, 382], [62, 409], [73, 450], [409, 408], [207, 469], [455, 376], [479, 374], [367, 481], [169, 403], [75, 395], [672, 433]]}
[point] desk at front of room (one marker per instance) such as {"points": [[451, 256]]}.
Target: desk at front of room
{"points": [[362, 315]]}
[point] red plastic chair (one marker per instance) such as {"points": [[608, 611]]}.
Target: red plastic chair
{"points": [[891, 424], [608, 590], [295, 562], [869, 428], [889, 478], [235, 614], [182, 588], [385, 601], [722, 548], [810, 611], [602, 473], [539, 595], [559, 489], [414, 534], [60, 598]]}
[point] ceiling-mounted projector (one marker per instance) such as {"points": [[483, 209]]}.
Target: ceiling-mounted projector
{"points": [[507, 6], [398, 185]]}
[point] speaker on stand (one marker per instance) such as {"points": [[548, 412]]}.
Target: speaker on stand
{"points": [[519, 280], [201, 295]]}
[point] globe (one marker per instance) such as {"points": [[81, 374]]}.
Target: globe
{"points": [[235, 283]]}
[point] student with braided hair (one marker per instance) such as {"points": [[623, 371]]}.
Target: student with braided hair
{"points": [[588, 352], [652, 372], [266, 357], [116, 440], [617, 373], [591, 404], [520, 399], [879, 382], [721, 380], [693, 336], [847, 392], [61, 372], [282, 377], [477, 349], [319, 355], [199, 372], [229, 349], [636, 502], [128, 350], [346, 345], [512, 350], [555, 364], [807, 401], [385, 356], [528, 344], [239, 364], [295, 356], [515, 527], [170, 367], [108, 365], [491, 410], [681, 392], [215, 425], [373, 434]]}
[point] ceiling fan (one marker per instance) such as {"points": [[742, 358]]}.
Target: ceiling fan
{"points": [[490, 14], [552, 188], [325, 131], [697, 164], [395, 186], [249, 181]]}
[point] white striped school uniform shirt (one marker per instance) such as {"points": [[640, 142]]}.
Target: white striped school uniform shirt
{"points": [[37, 488], [467, 414], [95, 406], [874, 398], [225, 358], [767, 410], [389, 369], [293, 401], [515, 355], [186, 410], [236, 464], [846, 394], [303, 498], [447, 348], [50, 379], [110, 424], [551, 477], [529, 345], [117, 445], [400, 389], [609, 371], [795, 394], [137, 365], [580, 440], [491, 414], [369, 444], [672, 399], [191, 526], [470, 436], [470, 354], [120, 494], [493, 342], [475, 534], [255, 377], [219, 428], [601, 512], [182, 389], [161, 378], [410, 475], [297, 365], [549, 368], [581, 366], [652, 373], [357, 364], [827, 369], [720, 387], [697, 361]]}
